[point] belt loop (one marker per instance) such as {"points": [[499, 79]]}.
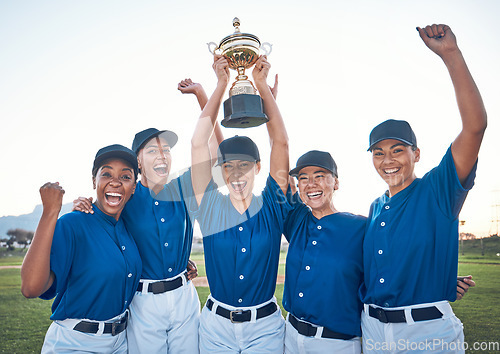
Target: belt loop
{"points": [[145, 287], [408, 316], [184, 277], [100, 329], [253, 315], [319, 332], [367, 308]]}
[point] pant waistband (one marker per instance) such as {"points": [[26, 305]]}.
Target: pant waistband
{"points": [[113, 328], [238, 316], [407, 315], [162, 286], [308, 330]]}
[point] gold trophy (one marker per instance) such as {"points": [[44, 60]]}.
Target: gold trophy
{"points": [[244, 107]]}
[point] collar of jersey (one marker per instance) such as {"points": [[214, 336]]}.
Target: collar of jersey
{"points": [[99, 213]]}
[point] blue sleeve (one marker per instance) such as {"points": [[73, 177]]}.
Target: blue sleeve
{"points": [[295, 216], [276, 201], [61, 256], [450, 193], [211, 214]]}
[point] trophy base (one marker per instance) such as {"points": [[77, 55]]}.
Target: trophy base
{"points": [[244, 111]]}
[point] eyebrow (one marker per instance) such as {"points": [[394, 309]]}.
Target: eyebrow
{"points": [[318, 171], [123, 169], [392, 147]]}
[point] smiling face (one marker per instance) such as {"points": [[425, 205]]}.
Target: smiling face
{"points": [[114, 184], [239, 176], [316, 187], [395, 163], [155, 162]]}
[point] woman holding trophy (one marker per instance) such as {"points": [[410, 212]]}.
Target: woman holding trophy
{"points": [[242, 232]]}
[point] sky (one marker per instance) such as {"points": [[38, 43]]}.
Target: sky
{"points": [[79, 75]]}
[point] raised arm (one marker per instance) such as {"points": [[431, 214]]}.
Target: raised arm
{"points": [[201, 159], [188, 86], [441, 40], [276, 127], [36, 277]]}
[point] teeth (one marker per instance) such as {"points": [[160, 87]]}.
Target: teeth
{"points": [[161, 166], [314, 194], [238, 185], [114, 194], [392, 170]]}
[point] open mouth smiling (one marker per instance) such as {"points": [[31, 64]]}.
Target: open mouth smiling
{"points": [[238, 186], [314, 195], [113, 198], [161, 169], [391, 171]]}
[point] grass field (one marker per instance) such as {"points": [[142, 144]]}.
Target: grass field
{"points": [[23, 322]]}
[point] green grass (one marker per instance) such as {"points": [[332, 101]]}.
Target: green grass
{"points": [[23, 322], [14, 257], [479, 311], [473, 251]]}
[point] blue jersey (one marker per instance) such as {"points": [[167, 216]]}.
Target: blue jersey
{"points": [[324, 268], [410, 250], [96, 264], [161, 227], [242, 250]]}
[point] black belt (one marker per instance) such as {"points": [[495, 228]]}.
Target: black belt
{"points": [[93, 327], [237, 316], [162, 286], [309, 330], [398, 316]]}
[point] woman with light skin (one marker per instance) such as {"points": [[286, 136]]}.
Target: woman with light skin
{"points": [[324, 312], [158, 219], [413, 227], [89, 262], [241, 231]]}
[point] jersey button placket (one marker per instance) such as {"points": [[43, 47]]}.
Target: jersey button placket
{"points": [[243, 247]]}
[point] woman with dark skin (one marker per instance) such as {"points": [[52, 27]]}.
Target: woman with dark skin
{"points": [[88, 261]]}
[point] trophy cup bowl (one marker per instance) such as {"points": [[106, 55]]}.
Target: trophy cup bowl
{"points": [[244, 107]]}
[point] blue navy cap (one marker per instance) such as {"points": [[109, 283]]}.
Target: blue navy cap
{"points": [[315, 158], [237, 148], [144, 136], [393, 129], [115, 151]]}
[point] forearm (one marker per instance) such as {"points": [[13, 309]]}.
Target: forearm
{"points": [[35, 271], [470, 103], [208, 118], [276, 126], [201, 96], [201, 158], [278, 138]]}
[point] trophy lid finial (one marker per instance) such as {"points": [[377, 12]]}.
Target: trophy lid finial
{"points": [[236, 24]]}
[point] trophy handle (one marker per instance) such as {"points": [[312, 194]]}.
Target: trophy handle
{"points": [[267, 50], [210, 49]]}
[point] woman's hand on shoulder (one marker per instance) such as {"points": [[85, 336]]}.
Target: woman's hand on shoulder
{"points": [[83, 204]]}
